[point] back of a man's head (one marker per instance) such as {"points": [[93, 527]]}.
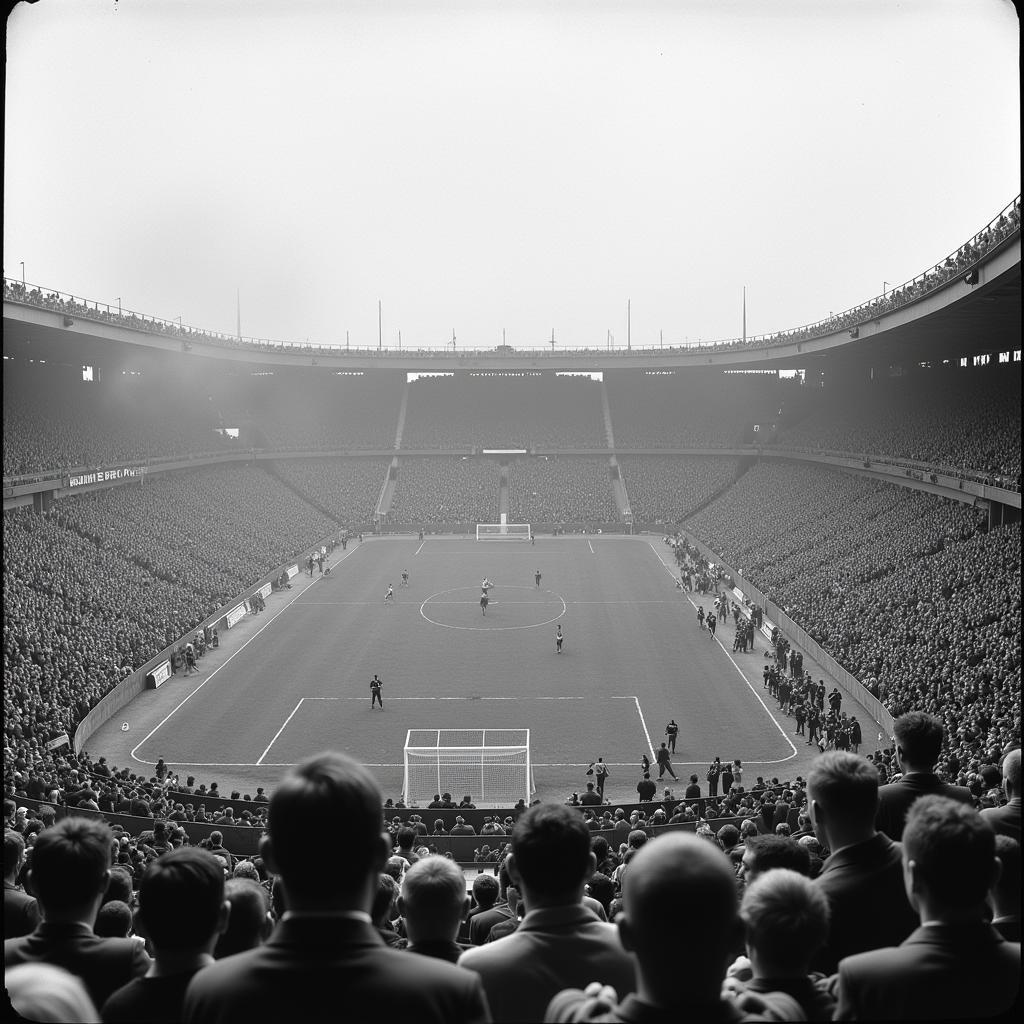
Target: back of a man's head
{"points": [[342, 800], [14, 850], [551, 853], [384, 909], [1011, 773], [680, 917], [405, 838], [248, 924], [845, 786], [952, 851], [1006, 891], [919, 737], [787, 920], [763, 853], [485, 891], [69, 864], [433, 900], [119, 886], [113, 921], [728, 836], [180, 900], [216, 838]]}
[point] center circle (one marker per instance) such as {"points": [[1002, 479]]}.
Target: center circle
{"points": [[462, 603]]}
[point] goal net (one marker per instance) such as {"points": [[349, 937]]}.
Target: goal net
{"points": [[492, 765], [503, 530]]}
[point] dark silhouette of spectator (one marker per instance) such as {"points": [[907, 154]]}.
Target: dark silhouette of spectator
{"points": [[680, 921], [560, 942], [69, 876], [21, 911], [327, 920], [955, 966], [918, 745], [113, 920], [480, 924], [761, 853], [863, 878], [249, 923], [484, 896], [1006, 890], [182, 910], [1005, 820]]}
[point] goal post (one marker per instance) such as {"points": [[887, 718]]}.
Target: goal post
{"points": [[503, 530], [492, 765]]}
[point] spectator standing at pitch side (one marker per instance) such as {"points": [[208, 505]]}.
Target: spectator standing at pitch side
{"points": [[671, 732]]}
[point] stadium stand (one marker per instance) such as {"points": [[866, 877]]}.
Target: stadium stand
{"points": [[531, 411], [347, 489], [446, 489], [560, 490], [665, 489]]}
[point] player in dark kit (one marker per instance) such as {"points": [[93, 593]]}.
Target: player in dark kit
{"points": [[558, 640], [536, 576], [700, 617], [375, 688]]}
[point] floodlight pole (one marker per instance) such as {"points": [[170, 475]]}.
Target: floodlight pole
{"points": [[380, 327], [22, 273], [744, 314], [552, 341], [629, 325]]}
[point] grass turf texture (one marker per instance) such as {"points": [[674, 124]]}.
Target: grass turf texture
{"points": [[633, 658]]}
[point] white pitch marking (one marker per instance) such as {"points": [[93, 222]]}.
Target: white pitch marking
{"points": [[420, 548], [259, 760], [591, 546], [738, 669], [290, 604], [639, 711]]}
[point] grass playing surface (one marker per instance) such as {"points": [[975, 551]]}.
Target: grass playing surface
{"points": [[633, 658]]}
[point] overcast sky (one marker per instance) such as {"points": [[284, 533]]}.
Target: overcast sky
{"points": [[483, 165]]}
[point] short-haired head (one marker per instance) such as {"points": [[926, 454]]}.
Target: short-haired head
{"points": [[70, 863], [679, 898], [845, 786], [918, 739], [384, 900], [551, 852], [787, 920], [181, 899], [113, 920], [344, 801], [249, 922], [14, 852], [1011, 772], [485, 890], [763, 853], [433, 899], [951, 852]]}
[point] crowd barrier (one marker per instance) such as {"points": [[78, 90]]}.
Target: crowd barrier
{"points": [[244, 841], [802, 640], [131, 686]]}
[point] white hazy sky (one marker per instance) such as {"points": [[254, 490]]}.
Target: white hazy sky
{"points": [[485, 165]]}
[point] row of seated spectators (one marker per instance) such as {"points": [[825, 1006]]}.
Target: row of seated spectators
{"points": [[666, 489], [965, 422], [446, 489], [533, 411], [347, 489], [906, 590], [1002, 227], [576, 923], [51, 424], [561, 490], [105, 581]]}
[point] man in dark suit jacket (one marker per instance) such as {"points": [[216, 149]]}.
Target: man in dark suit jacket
{"points": [[324, 960], [69, 873], [432, 905], [918, 744], [863, 878], [21, 911], [956, 966], [1005, 820]]}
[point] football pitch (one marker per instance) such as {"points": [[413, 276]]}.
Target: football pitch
{"points": [[632, 659]]}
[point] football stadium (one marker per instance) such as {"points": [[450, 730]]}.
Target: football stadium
{"points": [[510, 672]]}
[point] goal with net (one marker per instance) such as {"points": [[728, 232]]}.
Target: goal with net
{"points": [[503, 530], [491, 765]]}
